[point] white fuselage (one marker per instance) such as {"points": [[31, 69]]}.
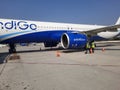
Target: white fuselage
{"points": [[22, 27]]}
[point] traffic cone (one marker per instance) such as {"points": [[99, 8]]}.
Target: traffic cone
{"points": [[90, 50], [103, 49], [58, 54]]}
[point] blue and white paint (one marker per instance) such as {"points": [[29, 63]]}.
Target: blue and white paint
{"points": [[70, 35]]}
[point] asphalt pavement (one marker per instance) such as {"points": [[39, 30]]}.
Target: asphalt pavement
{"points": [[70, 70]]}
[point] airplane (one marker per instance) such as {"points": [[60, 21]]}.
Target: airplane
{"points": [[70, 36]]}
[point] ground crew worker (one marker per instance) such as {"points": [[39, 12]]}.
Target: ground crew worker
{"points": [[93, 46], [87, 48]]}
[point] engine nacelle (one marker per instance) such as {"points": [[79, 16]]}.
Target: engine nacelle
{"points": [[107, 34], [73, 40]]}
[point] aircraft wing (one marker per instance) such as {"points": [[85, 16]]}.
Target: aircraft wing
{"points": [[106, 28]]}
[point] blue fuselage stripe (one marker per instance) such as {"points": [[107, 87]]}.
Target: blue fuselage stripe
{"points": [[42, 36], [45, 36]]}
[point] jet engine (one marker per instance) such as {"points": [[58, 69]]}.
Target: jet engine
{"points": [[107, 34], [73, 40]]}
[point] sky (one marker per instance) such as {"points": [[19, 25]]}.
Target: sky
{"points": [[99, 12]]}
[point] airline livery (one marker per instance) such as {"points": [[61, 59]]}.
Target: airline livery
{"points": [[70, 35]]}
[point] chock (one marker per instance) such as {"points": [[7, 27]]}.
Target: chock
{"points": [[58, 53]]}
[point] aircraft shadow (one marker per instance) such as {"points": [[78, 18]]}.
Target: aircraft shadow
{"points": [[52, 49], [41, 50], [73, 50]]}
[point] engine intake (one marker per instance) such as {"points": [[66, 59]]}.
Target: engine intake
{"points": [[73, 40]]}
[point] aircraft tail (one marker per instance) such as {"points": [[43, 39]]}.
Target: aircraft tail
{"points": [[118, 22]]}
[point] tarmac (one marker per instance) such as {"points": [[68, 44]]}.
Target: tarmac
{"points": [[40, 68]]}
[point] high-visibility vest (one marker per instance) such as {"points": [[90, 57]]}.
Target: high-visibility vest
{"points": [[87, 45], [93, 45]]}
